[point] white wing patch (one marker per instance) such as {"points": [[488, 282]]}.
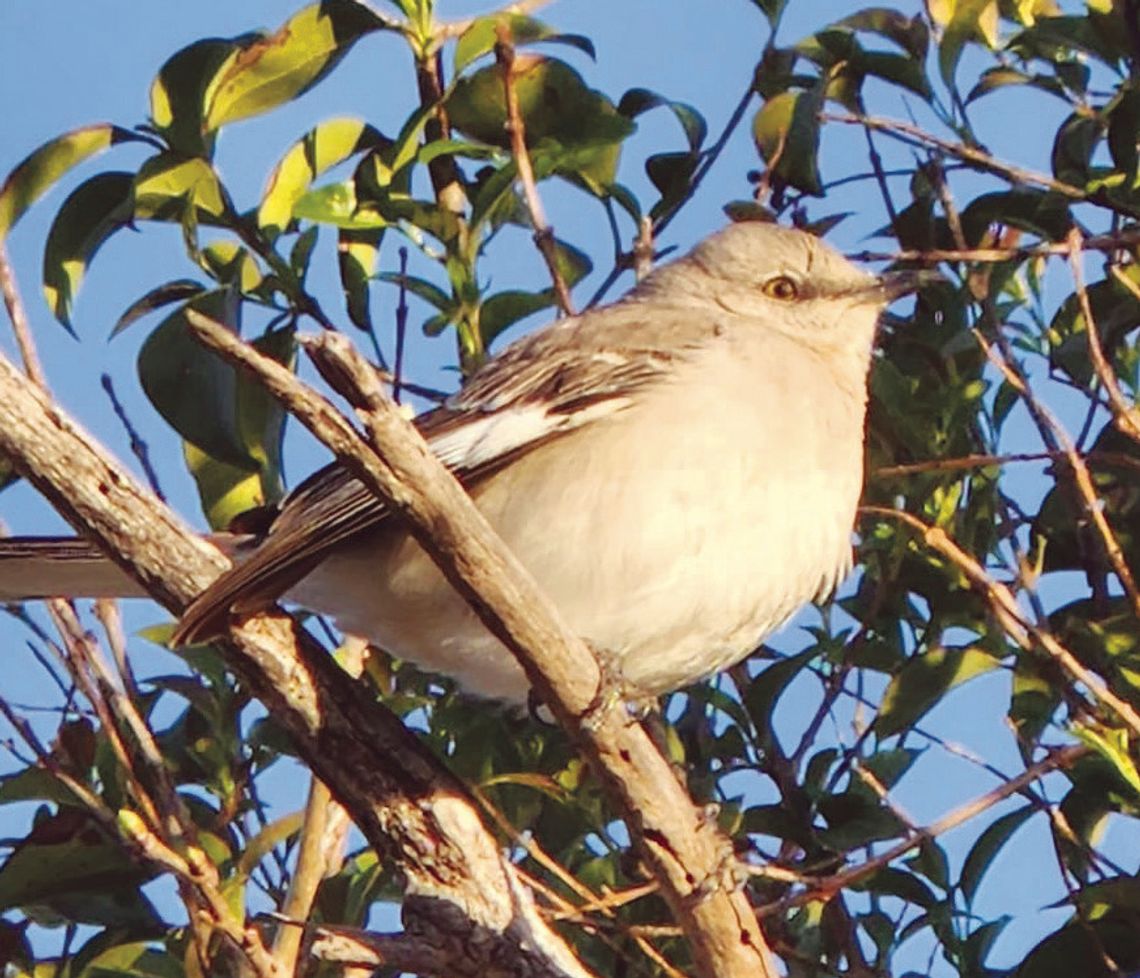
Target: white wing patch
{"points": [[485, 438]]}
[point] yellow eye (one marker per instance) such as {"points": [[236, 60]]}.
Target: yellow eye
{"points": [[782, 287]]}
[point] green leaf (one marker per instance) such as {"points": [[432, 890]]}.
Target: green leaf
{"points": [[229, 263], [891, 881], [909, 33], [274, 70], [966, 22], [156, 298], [420, 287], [35, 784], [225, 491], [986, 847], [925, 680], [191, 387], [639, 100], [320, 149], [1082, 947], [773, 10], [94, 211], [766, 689], [579, 128], [356, 255], [336, 204], [1113, 746], [272, 835], [177, 94], [39, 172], [169, 186], [481, 37], [70, 868], [139, 959], [786, 131]]}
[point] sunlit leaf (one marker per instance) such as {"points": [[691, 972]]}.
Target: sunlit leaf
{"points": [[273, 70], [168, 186], [39, 172], [177, 94], [320, 149], [356, 253], [786, 131]]}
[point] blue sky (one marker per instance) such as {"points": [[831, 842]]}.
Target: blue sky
{"points": [[66, 64]]}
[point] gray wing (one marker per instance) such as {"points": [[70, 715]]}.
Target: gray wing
{"points": [[539, 388]]}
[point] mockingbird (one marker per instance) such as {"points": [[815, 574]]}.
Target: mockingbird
{"points": [[678, 470]]}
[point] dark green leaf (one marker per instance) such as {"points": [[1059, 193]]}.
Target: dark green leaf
{"points": [[909, 33], [765, 690], [40, 171], [1083, 947], [68, 866], [986, 848], [891, 881], [91, 214], [156, 298], [925, 680], [640, 100], [356, 255], [192, 387], [558, 110]]}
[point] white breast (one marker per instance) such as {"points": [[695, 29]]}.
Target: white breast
{"points": [[671, 543]]}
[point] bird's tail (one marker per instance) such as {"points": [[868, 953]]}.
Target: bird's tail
{"points": [[48, 567], [69, 567]]}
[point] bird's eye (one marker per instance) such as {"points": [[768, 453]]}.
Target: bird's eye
{"points": [[782, 287]]}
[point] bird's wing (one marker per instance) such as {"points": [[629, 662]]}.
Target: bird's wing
{"points": [[539, 388]]}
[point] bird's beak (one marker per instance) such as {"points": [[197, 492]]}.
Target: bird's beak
{"points": [[894, 285]]}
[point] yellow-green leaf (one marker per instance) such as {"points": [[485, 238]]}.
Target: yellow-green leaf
{"points": [[276, 69], [178, 91], [786, 131], [39, 172], [167, 184], [320, 149]]}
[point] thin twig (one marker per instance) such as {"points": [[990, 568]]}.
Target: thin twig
{"points": [[1057, 439], [1064, 757], [916, 135], [18, 314], [1123, 413], [516, 130], [138, 446]]}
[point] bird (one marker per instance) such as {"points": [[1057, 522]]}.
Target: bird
{"points": [[678, 470]]}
